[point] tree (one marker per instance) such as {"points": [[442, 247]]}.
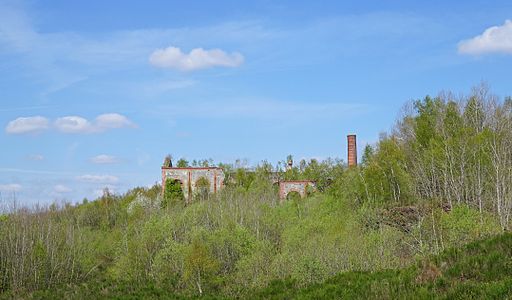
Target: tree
{"points": [[200, 265], [173, 193], [182, 163]]}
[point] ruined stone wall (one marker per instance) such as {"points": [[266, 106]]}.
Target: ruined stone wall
{"points": [[190, 176], [286, 187]]}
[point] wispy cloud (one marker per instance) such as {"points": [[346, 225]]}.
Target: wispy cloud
{"points": [[495, 39], [65, 58], [27, 171], [11, 187], [35, 157], [73, 124], [183, 134], [264, 109], [112, 121], [22, 108], [157, 87], [61, 189], [103, 159], [108, 179], [198, 58], [62, 59], [76, 124], [69, 124], [23, 125]]}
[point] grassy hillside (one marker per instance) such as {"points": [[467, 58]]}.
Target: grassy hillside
{"points": [[481, 270]]}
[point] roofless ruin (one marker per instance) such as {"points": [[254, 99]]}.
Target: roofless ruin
{"points": [[192, 178]]}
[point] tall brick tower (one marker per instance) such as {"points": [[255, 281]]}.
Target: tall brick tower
{"points": [[352, 150]]}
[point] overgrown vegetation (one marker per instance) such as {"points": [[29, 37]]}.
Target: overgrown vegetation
{"points": [[481, 270], [440, 180]]}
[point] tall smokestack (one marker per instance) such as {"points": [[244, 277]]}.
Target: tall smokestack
{"points": [[352, 150]]}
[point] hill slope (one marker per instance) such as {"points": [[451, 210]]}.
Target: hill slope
{"points": [[482, 269]]}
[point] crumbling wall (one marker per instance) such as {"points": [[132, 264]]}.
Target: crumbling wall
{"points": [[286, 187], [190, 176]]}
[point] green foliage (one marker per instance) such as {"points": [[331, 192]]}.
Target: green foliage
{"points": [[182, 163], [480, 270], [384, 175], [200, 265], [241, 241], [173, 193], [242, 178], [464, 224], [202, 188], [426, 122]]}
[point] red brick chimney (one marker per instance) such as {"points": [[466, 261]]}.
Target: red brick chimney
{"points": [[352, 150]]}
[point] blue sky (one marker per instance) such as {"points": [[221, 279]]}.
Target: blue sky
{"points": [[96, 93]]}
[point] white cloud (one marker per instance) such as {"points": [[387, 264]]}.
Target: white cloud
{"points": [[73, 124], [183, 134], [98, 178], [69, 124], [36, 157], [112, 120], [11, 187], [104, 159], [60, 59], [40, 172], [157, 87], [76, 124], [496, 39], [198, 58], [27, 125], [61, 189]]}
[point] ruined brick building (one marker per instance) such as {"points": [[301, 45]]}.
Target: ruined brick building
{"points": [[189, 177], [299, 186]]}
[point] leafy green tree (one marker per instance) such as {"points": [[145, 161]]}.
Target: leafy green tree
{"points": [[425, 123], [173, 193], [243, 178], [200, 265], [368, 152], [182, 163], [384, 173]]}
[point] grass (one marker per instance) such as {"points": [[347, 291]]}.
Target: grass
{"points": [[480, 270]]}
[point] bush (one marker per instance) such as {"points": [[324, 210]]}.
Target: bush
{"points": [[173, 193]]}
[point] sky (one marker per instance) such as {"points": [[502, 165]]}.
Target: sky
{"points": [[95, 93]]}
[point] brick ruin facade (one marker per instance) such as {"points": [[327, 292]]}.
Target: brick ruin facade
{"points": [[189, 177], [299, 186]]}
